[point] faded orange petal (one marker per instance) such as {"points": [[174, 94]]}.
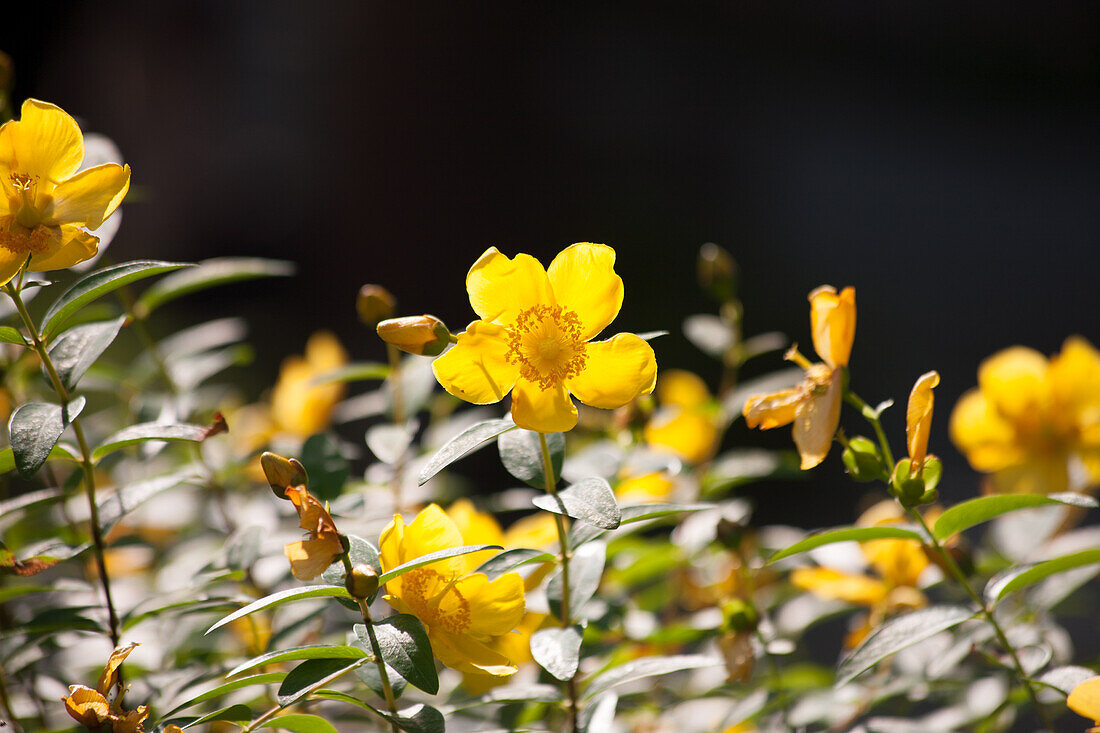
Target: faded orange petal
{"points": [[918, 417]]}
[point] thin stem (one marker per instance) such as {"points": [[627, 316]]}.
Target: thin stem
{"points": [[85, 456], [398, 414], [566, 556], [872, 417], [387, 690], [315, 686]]}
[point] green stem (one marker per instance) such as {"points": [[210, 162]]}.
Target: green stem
{"points": [[566, 556], [872, 417], [85, 456], [376, 649], [312, 688]]}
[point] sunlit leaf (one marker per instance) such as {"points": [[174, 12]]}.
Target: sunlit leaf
{"points": [[35, 427], [465, 442], [557, 650], [314, 651], [143, 432], [207, 274], [287, 596], [430, 558], [74, 351], [975, 511], [590, 500], [405, 647], [521, 454], [646, 667], [312, 673], [1020, 577], [845, 534], [585, 571]]}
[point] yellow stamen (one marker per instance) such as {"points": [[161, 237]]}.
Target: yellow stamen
{"points": [[545, 342], [794, 355]]}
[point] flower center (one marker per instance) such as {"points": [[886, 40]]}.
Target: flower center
{"points": [[545, 342], [435, 600]]}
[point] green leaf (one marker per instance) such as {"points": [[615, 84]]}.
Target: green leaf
{"points": [[846, 534], [58, 452], [287, 596], [362, 551], [509, 560], [1017, 578], [357, 372], [389, 442], [265, 678], [41, 557], [146, 431], [233, 713], [34, 428], [405, 647], [11, 336], [15, 591], [368, 673], [974, 512], [199, 605], [590, 500], [300, 723], [897, 634], [558, 650], [465, 442], [131, 496], [430, 558], [326, 466], [208, 274], [314, 651], [599, 714], [419, 719], [585, 571], [521, 455], [646, 667], [309, 674], [99, 283], [1064, 679], [583, 532], [78, 348]]}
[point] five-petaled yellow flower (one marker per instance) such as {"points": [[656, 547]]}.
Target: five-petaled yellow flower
{"points": [[465, 614], [1085, 701], [533, 338], [1033, 422], [45, 209], [814, 405]]}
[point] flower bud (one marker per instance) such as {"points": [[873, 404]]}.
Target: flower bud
{"points": [[282, 473], [863, 460], [374, 303], [909, 490], [422, 335], [740, 615], [362, 581], [717, 272]]}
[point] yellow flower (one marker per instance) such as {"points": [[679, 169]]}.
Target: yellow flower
{"points": [[649, 488], [1030, 419], [1085, 701], [684, 424], [311, 556], [91, 708], [465, 614], [298, 406], [918, 419], [533, 338], [45, 209], [814, 405]]}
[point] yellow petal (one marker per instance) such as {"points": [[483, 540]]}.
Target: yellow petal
{"points": [[466, 654], [981, 433], [477, 528], [495, 607], [818, 416], [690, 435], [432, 530], [10, 263], [898, 562], [833, 323], [835, 585], [500, 288], [110, 671], [771, 410], [584, 281], [647, 489], [918, 416], [536, 531], [682, 388], [547, 410], [86, 706], [44, 142], [1074, 376], [76, 246], [298, 406], [477, 368], [1085, 699], [91, 196], [311, 557], [1013, 382], [615, 372], [1039, 474], [130, 722]]}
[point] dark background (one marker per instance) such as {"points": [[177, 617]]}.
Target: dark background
{"points": [[941, 157]]}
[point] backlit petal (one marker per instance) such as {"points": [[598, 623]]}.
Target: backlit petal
{"points": [[311, 557], [1085, 699], [477, 528], [899, 562], [918, 416], [817, 418], [10, 262], [496, 607], [1074, 376], [549, 410], [500, 288], [44, 142], [691, 435], [833, 323], [584, 281], [1012, 380], [682, 388], [615, 372], [86, 706], [982, 434], [466, 654], [1039, 474], [835, 585], [91, 196], [431, 531], [771, 410], [76, 246], [476, 369]]}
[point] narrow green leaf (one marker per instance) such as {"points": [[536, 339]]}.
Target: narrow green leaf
{"points": [[14, 591], [34, 429], [59, 452], [646, 667], [357, 372], [465, 442], [300, 723], [583, 532], [590, 500], [11, 336], [1017, 578], [287, 596], [99, 283], [234, 714], [521, 454], [312, 673], [599, 714], [585, 571], [131, 496], [1064, 679], [74, 351], [558, 650], [509, 560], [147, 431], [974, 512], [405, 647], [314, 651], [419, 719], [897, 634], [208, 274], [523, 692], [846, 534], [265, 678], [430, 558]]}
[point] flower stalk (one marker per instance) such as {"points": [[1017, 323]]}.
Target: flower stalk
{"points": [[376, 649]]}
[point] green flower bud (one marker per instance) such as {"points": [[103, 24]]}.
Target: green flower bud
{"points": [[374, 303], [740, 615], [717, 272], [362, 581], [863, 460]]}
